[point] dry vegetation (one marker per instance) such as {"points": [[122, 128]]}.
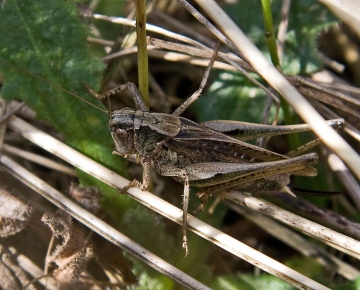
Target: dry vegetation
{"points": [[56, 234]]}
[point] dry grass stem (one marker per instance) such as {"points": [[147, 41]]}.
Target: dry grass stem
{"points": [[304, 225], [297, 242]]}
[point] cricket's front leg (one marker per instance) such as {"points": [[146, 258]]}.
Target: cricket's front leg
{"points": [[146, 175], [139, 103], [145, 184]]}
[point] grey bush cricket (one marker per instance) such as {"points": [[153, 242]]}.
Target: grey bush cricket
{"points": [[204, 155]]}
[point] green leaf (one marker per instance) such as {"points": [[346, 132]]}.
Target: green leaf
{"points": [[250, 282], [231, 97], [306, 19], [45, 50]]}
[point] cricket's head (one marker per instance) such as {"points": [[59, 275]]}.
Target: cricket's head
{"points": [[121, 127]]}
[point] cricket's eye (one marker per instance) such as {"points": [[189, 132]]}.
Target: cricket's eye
{"points": [[121, 134]]}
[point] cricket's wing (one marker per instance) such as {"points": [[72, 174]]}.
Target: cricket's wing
{"points": [[199, 139]]}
